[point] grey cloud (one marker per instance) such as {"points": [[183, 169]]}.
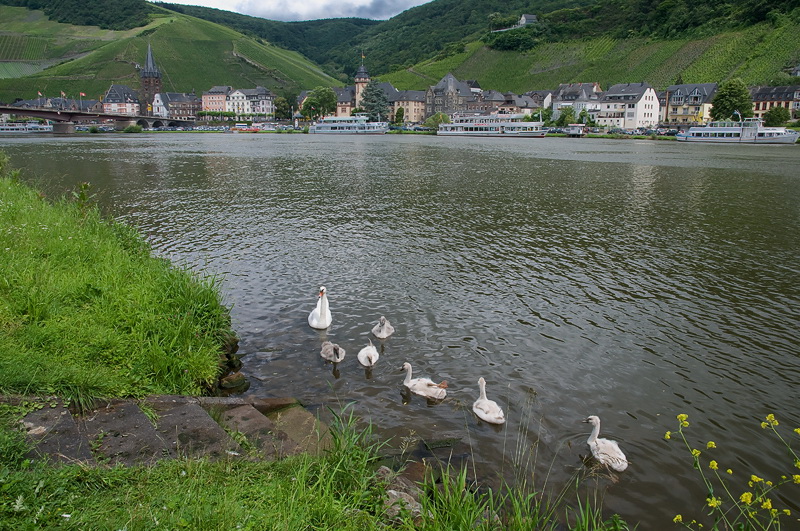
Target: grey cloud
{"points": [[315, 9]]}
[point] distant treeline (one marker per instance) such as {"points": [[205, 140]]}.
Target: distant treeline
{"points": [[644, 18], [107, 14]]}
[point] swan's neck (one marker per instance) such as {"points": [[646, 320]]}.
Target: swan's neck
{"points": [[323, 305], [595, 433], [408, 375], [483, 390]]}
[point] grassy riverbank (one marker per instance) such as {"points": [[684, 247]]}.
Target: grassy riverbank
{"points": [[86, 311]]}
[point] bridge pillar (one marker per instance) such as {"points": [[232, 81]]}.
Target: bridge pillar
{"points": [[120, 125], [64, 128]]}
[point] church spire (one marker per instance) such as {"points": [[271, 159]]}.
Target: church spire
{"points": [[150, 69]]}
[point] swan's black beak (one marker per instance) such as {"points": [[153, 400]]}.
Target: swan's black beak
{"points": [[586, 420]]}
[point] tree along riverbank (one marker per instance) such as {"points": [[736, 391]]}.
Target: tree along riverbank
{"points": [[87, 311]]}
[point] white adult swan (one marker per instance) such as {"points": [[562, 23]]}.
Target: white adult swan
{"points": [[320, 317], [486, 409], [383, 329], [332, 352], [424, 386], [368, 355], [606, 452]]}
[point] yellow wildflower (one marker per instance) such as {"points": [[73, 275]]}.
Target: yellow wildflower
{"points": [[764, 425], [667, 435], [769, 483], [746, 497], [796, 478], [772, 420], [755, 479], [767, 504], [713, 501], [682, 417], [713, 465], [711, 444], [695, 452], [797, 431], [729, 471], [678, 519], [787, 512]]}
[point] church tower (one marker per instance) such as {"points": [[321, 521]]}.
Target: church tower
{"points": [[361, 79], [150, 77]]}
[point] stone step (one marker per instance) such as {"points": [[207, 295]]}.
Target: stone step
{"points": [[189, 431], [120, 433], [303, 427], [55, 436], [259, 432]]}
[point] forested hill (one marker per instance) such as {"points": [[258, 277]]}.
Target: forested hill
{"points": [[438, 28], [106, 14]]}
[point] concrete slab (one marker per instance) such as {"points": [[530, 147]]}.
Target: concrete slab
{"points": [[260, 432], [303, 428], [122, 434], [264, 405], [56, 436], [190, 431]]}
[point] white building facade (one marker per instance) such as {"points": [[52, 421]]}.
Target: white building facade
{"points": [[629, 106]]}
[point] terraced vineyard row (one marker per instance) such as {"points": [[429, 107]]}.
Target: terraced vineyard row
{"points": [[23, 48]]}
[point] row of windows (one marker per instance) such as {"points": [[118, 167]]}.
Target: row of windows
{"points": [[763, 106]]}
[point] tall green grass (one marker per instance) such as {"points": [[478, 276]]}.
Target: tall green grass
{"points": [[338, 490], [87, 311]]}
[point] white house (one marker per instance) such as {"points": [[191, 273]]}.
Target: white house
{"points": [[250, 101], [578, 96], [629, 106]]}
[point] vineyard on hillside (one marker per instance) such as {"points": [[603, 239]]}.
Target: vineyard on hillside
{"points": [[759, 54]]}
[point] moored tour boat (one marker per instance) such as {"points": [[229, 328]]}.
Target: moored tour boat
{"points": [[349, 125], [751, 131], [492, 125], [25, 127]]}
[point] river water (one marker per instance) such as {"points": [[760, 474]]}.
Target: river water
{"points": [[633, 280]]}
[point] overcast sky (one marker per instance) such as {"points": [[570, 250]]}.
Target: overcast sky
{"points": [[287, 10]]}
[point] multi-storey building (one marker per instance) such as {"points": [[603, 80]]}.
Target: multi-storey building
{"points": [[765, 98], [214, 98], [176, 105], [688, 103], [578, 96], [121, 99], [629, 106]]}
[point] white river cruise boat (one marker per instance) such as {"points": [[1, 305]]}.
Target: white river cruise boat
{"points": [[750, 131], [349, 125], [492, 125], [25, 127]]}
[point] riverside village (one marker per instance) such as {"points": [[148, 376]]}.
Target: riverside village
{"points": [[626, 108]]}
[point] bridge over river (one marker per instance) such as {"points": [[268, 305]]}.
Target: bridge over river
{"points": [[64, 120]]}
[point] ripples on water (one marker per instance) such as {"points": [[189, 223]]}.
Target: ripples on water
{"points": [[631, 280]]}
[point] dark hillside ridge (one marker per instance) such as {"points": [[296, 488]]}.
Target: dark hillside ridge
{"points": [[107, 14]]}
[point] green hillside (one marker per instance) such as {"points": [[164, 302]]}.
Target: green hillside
{"points": [[757, 54], [37, 54]]}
